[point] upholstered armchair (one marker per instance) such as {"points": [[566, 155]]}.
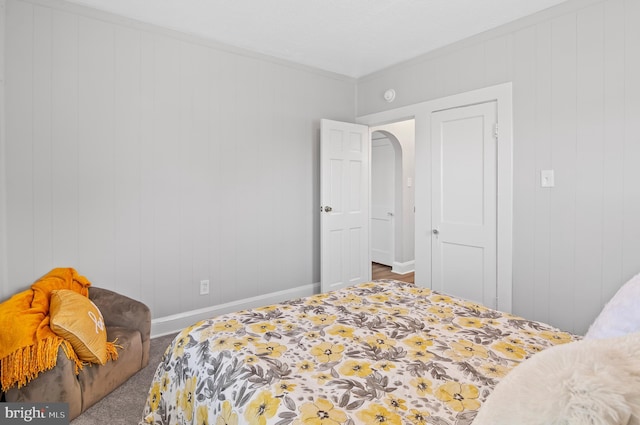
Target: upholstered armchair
{"points": [[128, 322]]}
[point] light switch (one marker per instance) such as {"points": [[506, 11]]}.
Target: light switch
{"points": [[547, 178], [409, 182]]}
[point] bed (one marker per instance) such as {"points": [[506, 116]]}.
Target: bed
{"points": [[382, 352]]}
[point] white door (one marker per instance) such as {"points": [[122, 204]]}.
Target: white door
{"points": [[382, 200], [344, 203], [464, 181]]}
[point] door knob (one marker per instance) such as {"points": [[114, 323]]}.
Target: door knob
{"points": [[435, 232], [328, 209]]}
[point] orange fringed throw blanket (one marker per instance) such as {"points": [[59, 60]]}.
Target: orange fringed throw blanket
{"points": [[28, 346]]}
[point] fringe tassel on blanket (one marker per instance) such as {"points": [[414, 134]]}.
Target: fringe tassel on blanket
{"points": [[112, 350], [23, 365]]}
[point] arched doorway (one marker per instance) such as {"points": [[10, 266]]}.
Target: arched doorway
{"points": [[392, 195]]}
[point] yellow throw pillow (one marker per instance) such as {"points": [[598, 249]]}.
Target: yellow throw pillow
{"points": [[75, 318]]}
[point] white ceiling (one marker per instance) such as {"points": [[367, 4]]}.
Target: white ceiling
{"points": [[349, 37]]}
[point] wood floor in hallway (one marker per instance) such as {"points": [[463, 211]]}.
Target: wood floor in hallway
{"points": [[380, 271]]}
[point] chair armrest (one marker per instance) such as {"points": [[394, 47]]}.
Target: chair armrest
{"points": [[120, 310]]}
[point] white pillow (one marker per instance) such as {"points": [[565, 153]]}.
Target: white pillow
{"points": [[621, 315], [595, 382]]}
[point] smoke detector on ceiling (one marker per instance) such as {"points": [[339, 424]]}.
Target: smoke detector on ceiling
{"points": [[390, 95]]}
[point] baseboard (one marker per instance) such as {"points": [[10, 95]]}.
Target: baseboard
{"points": [[176, 322], [403, 268]]}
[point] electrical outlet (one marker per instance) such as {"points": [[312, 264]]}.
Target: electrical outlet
{"points": [[204, 287], [547, 179]]}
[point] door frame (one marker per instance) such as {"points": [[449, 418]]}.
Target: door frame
{"points": [[421, 113]]}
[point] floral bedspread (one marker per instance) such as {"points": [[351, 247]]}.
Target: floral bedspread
{"points": [[383, 352]]}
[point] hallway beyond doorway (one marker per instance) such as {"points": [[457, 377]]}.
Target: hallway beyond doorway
{"points": [[380, 271]]}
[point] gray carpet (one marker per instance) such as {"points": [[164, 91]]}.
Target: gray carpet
{"points": [[124, 405]]}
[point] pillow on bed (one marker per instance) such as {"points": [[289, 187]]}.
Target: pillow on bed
{"points": [[594, 382], [621, 315], [75, 318]]}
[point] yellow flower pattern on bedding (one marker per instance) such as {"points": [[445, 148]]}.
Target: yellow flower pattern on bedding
{"points": [[382, 352], [321, 412]]}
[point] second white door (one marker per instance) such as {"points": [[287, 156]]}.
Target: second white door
{"points": [[383, 175], [464, 181]]}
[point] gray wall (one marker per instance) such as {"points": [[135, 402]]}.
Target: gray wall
{"points": [[576, 99], [150, 160]]}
